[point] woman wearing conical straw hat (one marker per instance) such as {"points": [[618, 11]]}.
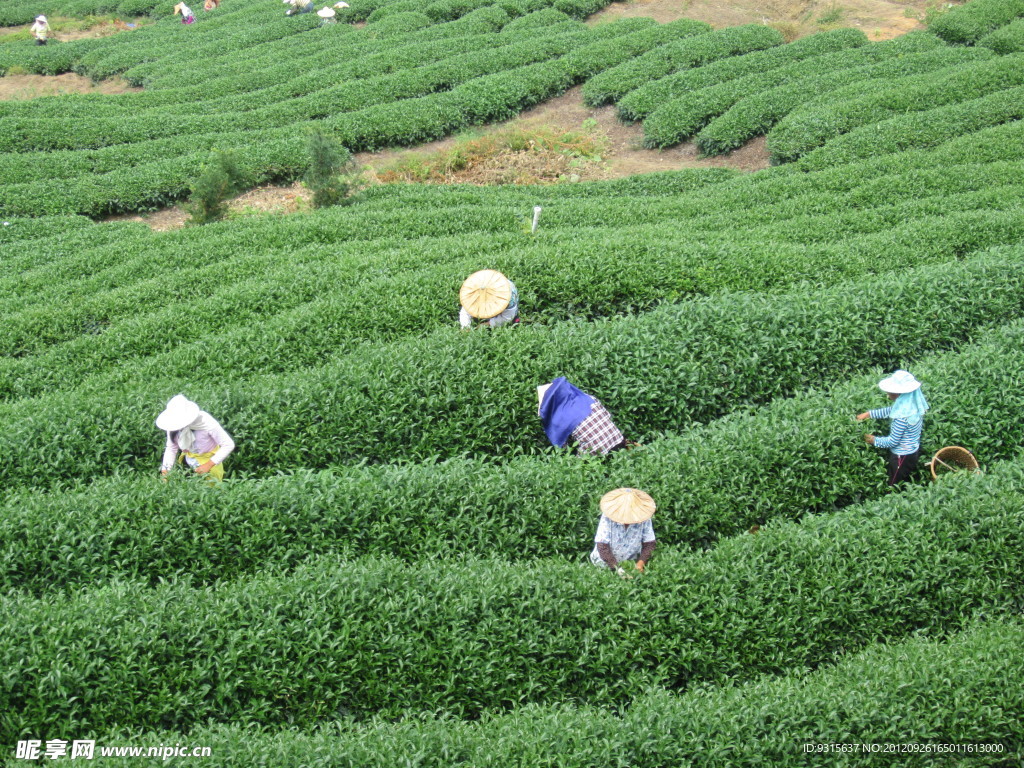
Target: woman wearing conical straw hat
{"points": [[907, 414], [625, 531], [568, 413], [200, 437], [488, 296], [326, 15]]}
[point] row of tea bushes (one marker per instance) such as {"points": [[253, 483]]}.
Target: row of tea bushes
{"points": [[613, 84], [963, 689], [461, 636], [808, 450], [919, 129], [755, 115], [423, 398], [869, 103], [639, 103], [682, 117], [970, 22], [265, 328]]}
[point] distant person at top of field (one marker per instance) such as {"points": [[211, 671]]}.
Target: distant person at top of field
{"points": [[625, 531], [907, 414], [488, 296], [298, 6], [209, 5], [41, 30], [326, 15], [202, 440], [187, 17], [568, 413]]}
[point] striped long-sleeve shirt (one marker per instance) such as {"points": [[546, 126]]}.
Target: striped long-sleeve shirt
{"points": [[903, 438]]}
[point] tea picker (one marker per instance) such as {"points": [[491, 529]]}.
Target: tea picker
{"points": [[625, 531], [202, 440], [187, 17], [40, 29], [326, 15], [568, 413], [907, 414], [488, 297], [298, 6]]}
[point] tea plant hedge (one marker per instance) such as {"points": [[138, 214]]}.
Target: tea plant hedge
{"points": [[969, 23], [877, 696], [756, 115], [411, 511], [356, 636], [928, 128], [679, 118], [1008, 39], [612, 84], [396, 567], [818, 122]]}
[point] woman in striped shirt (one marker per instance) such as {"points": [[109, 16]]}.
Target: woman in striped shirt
{"points": [[907, 414]]}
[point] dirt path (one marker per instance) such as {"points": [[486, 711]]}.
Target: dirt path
{"points": [[34, 86]]}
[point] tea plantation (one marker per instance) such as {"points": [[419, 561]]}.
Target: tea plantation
{"points": [[394, 572]]}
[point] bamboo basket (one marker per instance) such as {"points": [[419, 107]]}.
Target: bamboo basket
{"points": [[953, 458]]}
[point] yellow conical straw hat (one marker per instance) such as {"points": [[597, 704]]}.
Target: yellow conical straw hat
{"points": [[485, 294], [627, 506]]}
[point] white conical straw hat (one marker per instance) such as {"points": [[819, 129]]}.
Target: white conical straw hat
{"points": [[485, 294], [179, 413], [627, 506], [325, 12]]}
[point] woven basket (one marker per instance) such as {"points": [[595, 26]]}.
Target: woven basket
{"points": [[954, 459]]}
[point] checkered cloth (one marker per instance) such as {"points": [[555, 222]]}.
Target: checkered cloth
{"points": [[596, 434]]}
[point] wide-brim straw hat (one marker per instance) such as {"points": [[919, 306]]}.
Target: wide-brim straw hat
{"points": [[341, 5], [41, 18], [899, 383], [325, 12], [627, 506], [485, 294], [179, 413]]}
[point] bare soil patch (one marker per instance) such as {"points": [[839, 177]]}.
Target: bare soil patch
{"points": [[623, 153], [33, 86], [621, 156], [268, 199]]}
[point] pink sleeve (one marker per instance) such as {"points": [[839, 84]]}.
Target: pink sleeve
{"points": [[170, 454], [225, 445]]}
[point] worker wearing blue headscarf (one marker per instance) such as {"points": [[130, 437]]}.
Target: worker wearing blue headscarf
{"points": [[570, 413], [907, 414]]}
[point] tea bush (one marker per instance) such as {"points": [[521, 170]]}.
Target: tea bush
{"points": [[968, 23], [615, 83], [678, 118], [818, 122], [356, 636], [878, 695]]}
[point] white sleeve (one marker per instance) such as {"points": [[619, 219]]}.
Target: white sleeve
{"points": [[170, 454], [225, 445], [464, 319]]}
